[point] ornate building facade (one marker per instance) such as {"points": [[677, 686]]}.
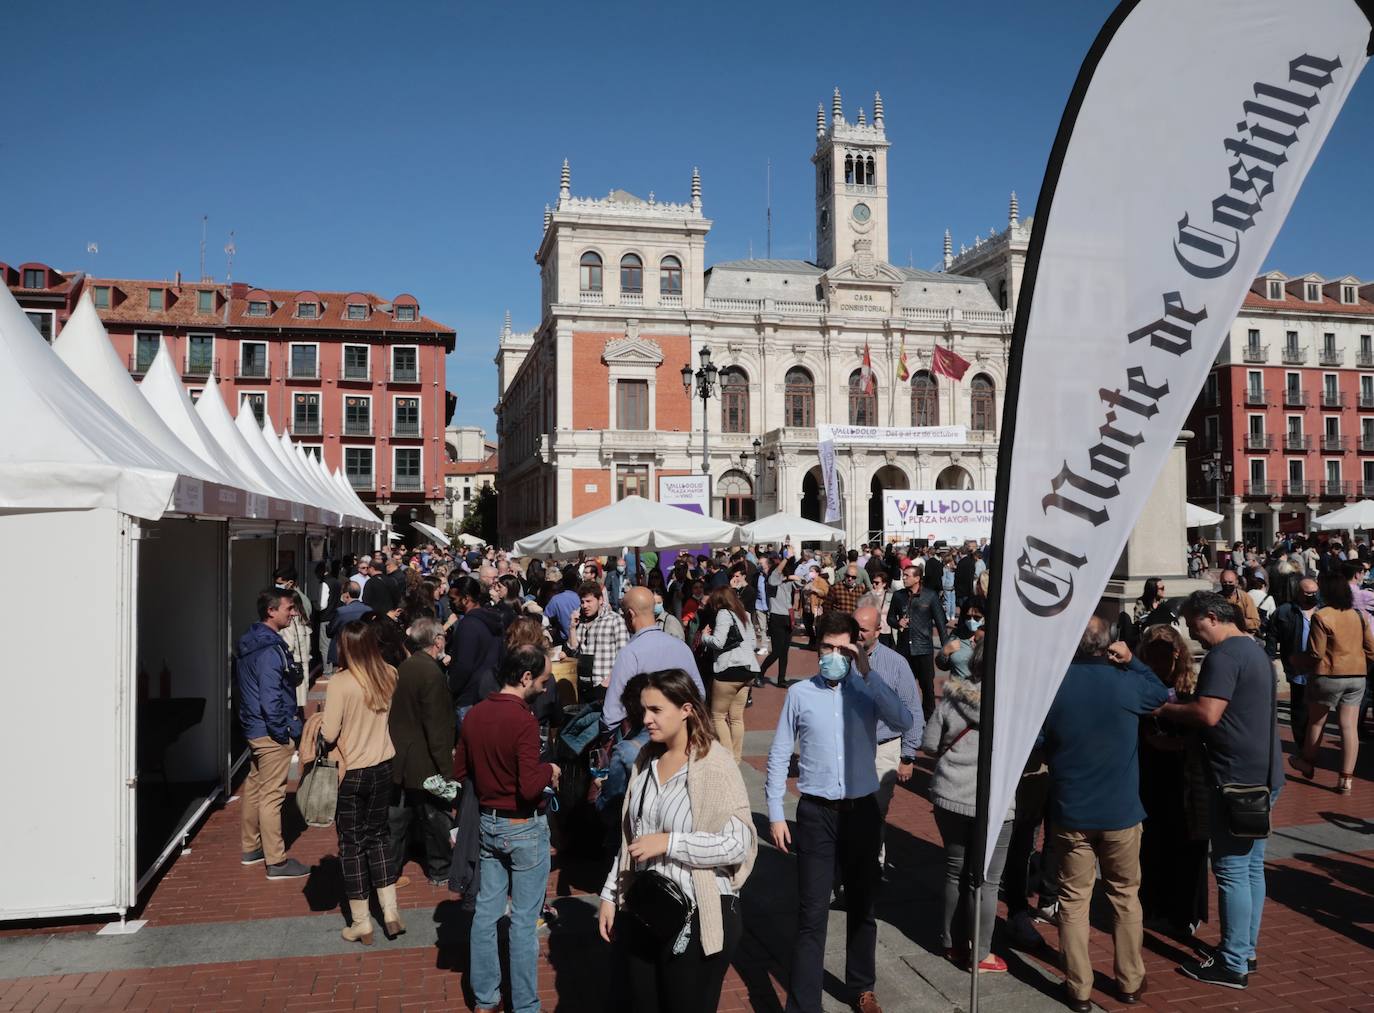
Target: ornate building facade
{"points": [[592, 404]]}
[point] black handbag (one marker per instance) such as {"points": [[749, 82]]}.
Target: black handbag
{"points": [[657, 907], [1246, 806]]}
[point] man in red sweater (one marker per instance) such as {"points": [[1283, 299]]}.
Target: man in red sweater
{"points": [[499, 750]]}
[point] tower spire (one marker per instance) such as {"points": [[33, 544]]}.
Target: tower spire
{"points": [[548, 217], [1013, 211], [820, 120], [505, 329], [836, 107], [877, 110], [696, 189], [565, 183], [949, 249], [862, 121]]}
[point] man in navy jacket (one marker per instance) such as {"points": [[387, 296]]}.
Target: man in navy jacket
{"points": [[267, 680]]}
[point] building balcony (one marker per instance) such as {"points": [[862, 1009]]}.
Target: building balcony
{"points": [[590, 297], [1367, 490], [671, 300], [1294, 355], [1366, 399], [407, 430], [199, 366], [1295, 489], [404, 374], [1256, 396], [1335, 399], [1366, 444], [1331, 357], [360, 481], [1295, 398], [311, 372], [1365, 360], [1296, 442], [139, 364], [1335, 444], [252, 371], [1335, 489], [357, 427], [631, 298], [305, 427], [1211, 398], [355, 374], [407, 483], [1264, 489], [1254, 441], [1254, 353]]}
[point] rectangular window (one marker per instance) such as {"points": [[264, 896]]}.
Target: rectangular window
{"points": [[156, 297], [632, 404], [405, 474], [256, 403], [407, 421], [1257, 472], [405, 313], [1252, 339], [305, 415], [257, 308], [1329, 344], [1255, 379], [205, 302], [305, 362], [1290, 342], [1367, 392], [1211, 432], [1295, 470], [631, 480], [1256, 425], [1276, 290], [1295, 426], [146, 344], [1333, 473], [1329, 388], [1314, 292], [307, 310], [1348, 294], [358, 467], [357, 311], [1368, 469], [42, 322], [35, 278], [1367, 433], [355, 362], [1331, 426], [1366, 345], [200, 354], [101, 294], [405, 365], [1292, 382], [357, 416], [1209, 397], [253, 359]]}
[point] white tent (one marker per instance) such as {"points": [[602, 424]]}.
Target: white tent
{"points": [[252, 433], [775, 528], [1200, 517], [211, 411], [1355, 517], [431, 532], [634, 522], [470, 540], [351, 495]]}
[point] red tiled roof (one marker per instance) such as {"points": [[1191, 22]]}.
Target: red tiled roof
{"points": [[486, 466], [1292, 304], [332, 314]]}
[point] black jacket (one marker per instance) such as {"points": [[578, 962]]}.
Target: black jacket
{"points": [[934, 571], [924, 610], [421, 722], [379, 595], [964, 576], [475, 656]]}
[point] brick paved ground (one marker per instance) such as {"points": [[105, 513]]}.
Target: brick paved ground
{"points": [[210, 921]]}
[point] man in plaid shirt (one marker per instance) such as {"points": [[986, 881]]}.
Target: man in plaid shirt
{"points": [[845, 593], [596, 638]]}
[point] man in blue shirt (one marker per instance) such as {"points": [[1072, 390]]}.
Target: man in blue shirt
{"points": [[833, 719], [1091, 737], [561, 606], [648, 650]]}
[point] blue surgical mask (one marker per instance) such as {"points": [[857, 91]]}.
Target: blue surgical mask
{"points": [[834, 666], [620, 567], [973, 624], [658, 608]]}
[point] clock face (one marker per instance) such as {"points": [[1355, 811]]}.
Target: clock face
{"points": [[861, 212]]}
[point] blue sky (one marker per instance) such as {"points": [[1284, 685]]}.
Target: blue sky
{"points": [[412, 147]]}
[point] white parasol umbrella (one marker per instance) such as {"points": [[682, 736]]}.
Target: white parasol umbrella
{"points": [[634, 521], [774, 528], [1200, 517], [433, 533], [1355, 517], [470, 540]]}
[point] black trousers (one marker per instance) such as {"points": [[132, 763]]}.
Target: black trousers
{"points": [[415, 809], [364, 843], [779, 642], [923, 668], [659, 982], [830, 840], [1297, 711]]}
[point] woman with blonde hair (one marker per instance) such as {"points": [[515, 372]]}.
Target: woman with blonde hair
{"points": [[685, 818], [1174, 792], [357, 706]]}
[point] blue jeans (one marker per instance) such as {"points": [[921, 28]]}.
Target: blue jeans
{"points": [[1238, 865], [514, 864]]}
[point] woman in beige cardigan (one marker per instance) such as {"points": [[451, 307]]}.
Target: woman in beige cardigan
{"points": [[686, 816]]}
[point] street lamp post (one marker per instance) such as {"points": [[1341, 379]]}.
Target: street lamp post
{"points": [[758, 472], [705, 378], [1214, 470]]}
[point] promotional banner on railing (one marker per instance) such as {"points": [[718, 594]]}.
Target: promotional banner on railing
{"points": [[939, 515], [906, 437], [1186, 138]]}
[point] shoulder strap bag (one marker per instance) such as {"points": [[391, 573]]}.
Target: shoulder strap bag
{"points": [[317, 796], [658, 908], [1246, 806]]}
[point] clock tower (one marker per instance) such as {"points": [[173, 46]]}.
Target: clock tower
{"points": [[851, 186]]}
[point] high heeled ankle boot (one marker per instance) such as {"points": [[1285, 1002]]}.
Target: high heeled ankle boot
{"points": [[361, 929], [391, 917]]}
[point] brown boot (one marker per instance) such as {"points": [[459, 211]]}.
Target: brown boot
{"points": [[361, 929], [391, 917]]}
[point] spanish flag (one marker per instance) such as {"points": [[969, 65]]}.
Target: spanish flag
{"points": [[902, 372]]}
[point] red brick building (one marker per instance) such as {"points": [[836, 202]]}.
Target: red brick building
{"points": [[356, 379]]}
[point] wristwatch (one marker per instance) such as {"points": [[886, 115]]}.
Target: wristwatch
{"points": [[909, 759]]}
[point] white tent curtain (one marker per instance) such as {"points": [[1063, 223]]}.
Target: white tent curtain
{"points": [[633, 522]]}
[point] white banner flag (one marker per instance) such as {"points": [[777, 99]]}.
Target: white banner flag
{"points": [[1188, 133], [826, 447]]}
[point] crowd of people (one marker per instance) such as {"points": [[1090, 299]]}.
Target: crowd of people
{"points": [[456, 744]]}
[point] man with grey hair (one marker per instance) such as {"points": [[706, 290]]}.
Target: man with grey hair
{"points": [[421, 727], [361, 575], [1091, 737]]}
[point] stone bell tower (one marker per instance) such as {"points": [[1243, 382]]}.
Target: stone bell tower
{"points": [[851, 186]]}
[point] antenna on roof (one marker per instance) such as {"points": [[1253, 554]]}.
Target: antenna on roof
{"points": [[768, 188], [204, 223], [229, 250], [751, 247]]}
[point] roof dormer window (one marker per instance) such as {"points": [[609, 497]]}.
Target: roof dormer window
{"points": [[1312, 292], [357, 311], [405, 313], [257, 308], [1348, 294], [307, 310], [205, 301], [156, 298], [101, 295], [1276, 290], [35, 277]]}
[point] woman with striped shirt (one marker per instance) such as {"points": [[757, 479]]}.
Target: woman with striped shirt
{"points": [[686, 816]]}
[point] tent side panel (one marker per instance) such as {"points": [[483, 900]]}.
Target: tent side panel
{"points": [[67, 718]]}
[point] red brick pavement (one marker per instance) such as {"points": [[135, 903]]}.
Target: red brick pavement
{"points": [[1316, 947]]}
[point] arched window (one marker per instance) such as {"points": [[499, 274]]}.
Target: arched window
{"points": [[736, 494], [983, 406], [631, 273], [871, 176], [798, 399], [591, 272], [925, 400], [670, 276], [734, 400], [849, 168], [863, 407]]}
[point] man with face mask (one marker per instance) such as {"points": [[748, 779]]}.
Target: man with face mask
{"points": [[834, 718], [1241, 601], [1287, 640]]}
